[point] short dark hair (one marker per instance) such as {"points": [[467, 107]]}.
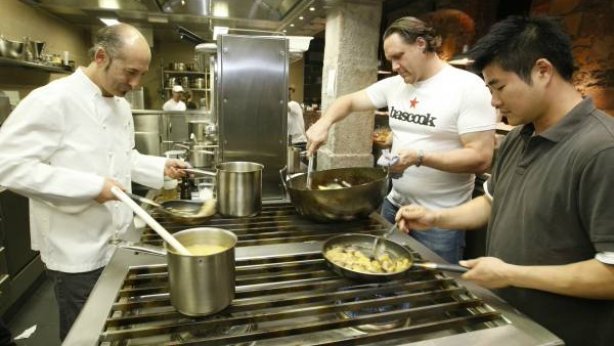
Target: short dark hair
{"points": [[410, 28], [110, 39], [517, 42]]}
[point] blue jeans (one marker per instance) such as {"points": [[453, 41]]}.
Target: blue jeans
{"points": [[449, 244], [71, 292]]}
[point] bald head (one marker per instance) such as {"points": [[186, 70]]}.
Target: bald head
{"points": [[120, 57], [116, 38]]}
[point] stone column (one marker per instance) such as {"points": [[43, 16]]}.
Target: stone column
{"points": [[350, 64]]}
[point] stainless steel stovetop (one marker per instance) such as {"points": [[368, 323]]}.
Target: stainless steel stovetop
{"points": [[286, 295]]}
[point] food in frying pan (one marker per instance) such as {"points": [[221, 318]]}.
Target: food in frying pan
{"points": [[330, 186], [334, 185], [208, 208], [352, 258]]}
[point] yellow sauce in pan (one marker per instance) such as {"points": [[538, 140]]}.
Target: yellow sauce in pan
{"points": [[205, 249]]}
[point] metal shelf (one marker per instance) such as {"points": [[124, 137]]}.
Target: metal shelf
{"points": [[32, 65], [194, 89], [184, 72]]}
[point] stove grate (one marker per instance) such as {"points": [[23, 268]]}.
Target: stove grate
{"points": [[294, 300]]}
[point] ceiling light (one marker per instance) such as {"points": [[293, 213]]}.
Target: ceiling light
{"points": [[109, 21], [220, 9], [292, 25], [301, 18], [312, 9], [219, 30], [109, 4], [284, 31]]}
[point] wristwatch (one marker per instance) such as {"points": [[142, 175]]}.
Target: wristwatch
{"points": [[420, 158]]}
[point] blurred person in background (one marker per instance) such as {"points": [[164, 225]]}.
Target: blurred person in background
{"points": [[296, 121], [189, 101], [175, 103], [64, 147]]}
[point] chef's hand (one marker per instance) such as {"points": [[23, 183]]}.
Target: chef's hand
{"points": [[416, 217], [489, 272], [173, 168], [106, 195], [317, 134], [407, 158]]}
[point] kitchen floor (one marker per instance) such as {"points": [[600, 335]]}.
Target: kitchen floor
{"points": [[39, 309]]}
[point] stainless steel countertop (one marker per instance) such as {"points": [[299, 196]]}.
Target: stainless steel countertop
{"points": [[520, 331]]}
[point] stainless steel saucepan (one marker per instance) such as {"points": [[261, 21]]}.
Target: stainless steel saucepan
{"points": [[202, 283]]}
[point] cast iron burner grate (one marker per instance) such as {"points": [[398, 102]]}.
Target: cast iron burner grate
{"points": [[376, 326], [215, 330], [298, 300], [276, 224]]}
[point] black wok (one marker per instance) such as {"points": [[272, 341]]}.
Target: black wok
{"points": [[185, 212], [364, 242], [361, 191]]}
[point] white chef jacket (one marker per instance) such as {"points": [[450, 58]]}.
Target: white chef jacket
{"points": [[296, 122], [172, 105], [55, 148]]}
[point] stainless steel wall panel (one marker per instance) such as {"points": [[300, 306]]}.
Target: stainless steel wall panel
{"points": [[251, 101]]}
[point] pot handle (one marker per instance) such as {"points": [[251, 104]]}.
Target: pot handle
{"points": [[142, 248], [283, 174]]}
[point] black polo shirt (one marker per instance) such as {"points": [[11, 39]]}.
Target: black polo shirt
{"points": [[554, 204]]}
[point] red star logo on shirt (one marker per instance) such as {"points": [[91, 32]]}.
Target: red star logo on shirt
{"points": [[413, 102]]}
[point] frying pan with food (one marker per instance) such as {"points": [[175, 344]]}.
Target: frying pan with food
{"points": [[185, 212], [350, 255]]}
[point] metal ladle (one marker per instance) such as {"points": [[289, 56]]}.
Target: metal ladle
{"points": [[162, 232]]}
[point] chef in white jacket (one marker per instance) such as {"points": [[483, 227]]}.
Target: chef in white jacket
{"points": [[64, 146]]}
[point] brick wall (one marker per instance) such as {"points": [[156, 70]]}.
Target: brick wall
{"points": [[590, 24]]}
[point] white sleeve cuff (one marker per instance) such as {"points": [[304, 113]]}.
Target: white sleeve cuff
{"points": [[605, 257], [486, 192]]}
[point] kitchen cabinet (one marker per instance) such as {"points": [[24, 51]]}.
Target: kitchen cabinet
{"points": [[195, 82], [20, 266]]}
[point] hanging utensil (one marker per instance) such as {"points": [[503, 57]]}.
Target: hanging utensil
{"points": [[162, 232]]}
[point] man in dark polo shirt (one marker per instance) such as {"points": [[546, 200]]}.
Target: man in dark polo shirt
{"points": [[548, 204]]}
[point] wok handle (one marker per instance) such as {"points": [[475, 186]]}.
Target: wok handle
{"points": [[442, 266]]}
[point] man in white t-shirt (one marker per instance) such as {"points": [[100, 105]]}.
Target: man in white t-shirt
{"points": [[442, 125], [296, 121], [175, 103]]}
